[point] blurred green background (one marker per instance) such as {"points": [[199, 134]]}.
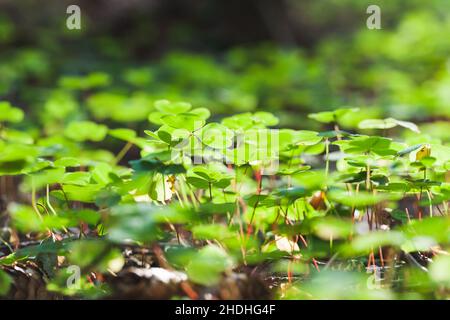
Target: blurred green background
{"points": [[289, 57]]}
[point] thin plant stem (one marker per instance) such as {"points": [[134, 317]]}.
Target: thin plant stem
{"points": [[33, 199], [210, 191], [123, 152]]}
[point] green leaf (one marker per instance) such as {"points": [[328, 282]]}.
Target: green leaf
{"points": [[107, 198], [102, 173], [211, 232], [164, 136], [202, 176], [239, 121], [428, 162], [134, 222], [266, 118], [188, 121], [152, 134], [45, 247], [95, 255], [139, 77], [293, 194], [409, 125], [123, 134], [395, 187], [367, 242], [330, 227], [437, 228], [217, 208], [60, 105], [16, 136], [334, 133], [166, 106], [179, 256], [15, 158], [306, 138], [42, 178], [247, 120], [208, 264], [92, 80], [76, 178], [5, 283], [400, 215], [364, 144], [79, 193], [91, 217], [9, 113], [387, 124], [155, 117], [202, 113], [377, 124], [359, 199], [85, 130], [421, 183], [151, 163], [10, 259], [67, 162], [26, 219], [216, 136], [292, 171], [331, 116], [198, 182]]}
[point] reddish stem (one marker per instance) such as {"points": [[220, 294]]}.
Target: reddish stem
{"points": [[313, 260], [381, 256]]}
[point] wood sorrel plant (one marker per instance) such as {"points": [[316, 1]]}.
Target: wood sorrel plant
{"points": [[212, 198]]}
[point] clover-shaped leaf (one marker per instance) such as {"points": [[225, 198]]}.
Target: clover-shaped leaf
{"points": [[208, 264], [9, 113], [306, 138], [204, 177], [365, 144], [216, 136], [86, 130], [387, 124], [248, 120], [123, 134], [188, 121], [331, 116], [166, 106]]}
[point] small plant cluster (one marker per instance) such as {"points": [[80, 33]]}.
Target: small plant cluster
{"points": [[313, 214]]}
